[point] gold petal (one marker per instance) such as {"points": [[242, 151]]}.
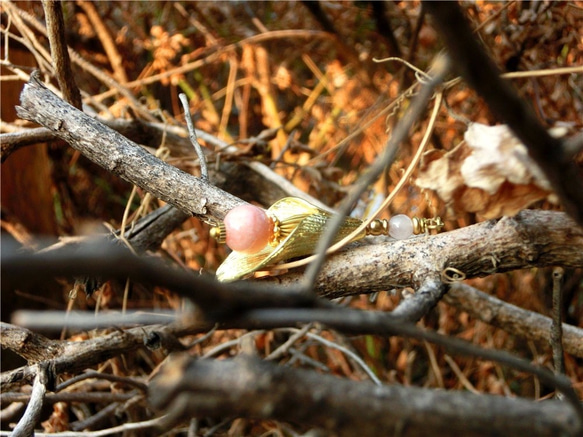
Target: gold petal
{"points": [[302, 225]]}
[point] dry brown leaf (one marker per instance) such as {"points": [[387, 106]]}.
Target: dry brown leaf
{"points": [[490, 174]]}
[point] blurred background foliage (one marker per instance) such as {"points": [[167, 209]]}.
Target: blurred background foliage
{"points": [[296, 86]]}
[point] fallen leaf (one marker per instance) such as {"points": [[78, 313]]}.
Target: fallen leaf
{"points": [[490, 173]]}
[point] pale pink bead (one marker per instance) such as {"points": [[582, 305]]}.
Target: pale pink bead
{"points": [[247, 229], [400, 227]]}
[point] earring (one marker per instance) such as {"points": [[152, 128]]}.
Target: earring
{"points": [[291, 228]]}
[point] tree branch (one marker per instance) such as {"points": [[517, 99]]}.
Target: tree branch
{"points": [[26, 424], [412, 308], [31, 346], [248, 180], [122, 157], [74, 356], [252, 388], [510, 318], [530, 239], [61, 61]]}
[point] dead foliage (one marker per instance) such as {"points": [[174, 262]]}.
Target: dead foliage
{"points": [[299, 90]]}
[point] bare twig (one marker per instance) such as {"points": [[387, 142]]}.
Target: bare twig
{"points": [[152, 423], [277, 353], [99, 375], [52, 398], [557, 325], [26, 424], [348, 353], [55, 320], [62, 63], [92, 421], [193, 137]]}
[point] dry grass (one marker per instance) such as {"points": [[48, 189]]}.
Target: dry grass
{"points": [[251, 66]]}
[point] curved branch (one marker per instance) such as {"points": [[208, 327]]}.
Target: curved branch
{"points": [[26, 424]]}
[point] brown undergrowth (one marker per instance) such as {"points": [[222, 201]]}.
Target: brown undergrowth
{"points": [[250, 67]]}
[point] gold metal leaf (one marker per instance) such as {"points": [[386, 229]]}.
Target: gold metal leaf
{"points": [[300, 226]]}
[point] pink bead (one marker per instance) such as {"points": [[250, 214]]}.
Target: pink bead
{"points": [[247, 229], [400, 227]]}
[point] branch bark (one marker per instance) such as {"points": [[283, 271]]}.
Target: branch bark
{"points": [[61, 61], [530, 239], [29, 345], [122, 157], [257, 389], [74, 356], [510, 318]]}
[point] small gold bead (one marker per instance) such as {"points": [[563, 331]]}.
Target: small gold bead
{"points": [[377, 227], [418, 225], [219, 233]]}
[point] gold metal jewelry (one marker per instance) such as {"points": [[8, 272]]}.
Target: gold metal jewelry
{"points": [[297, 227]]}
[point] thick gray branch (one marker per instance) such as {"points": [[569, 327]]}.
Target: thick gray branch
{"points": [[248, 180], [252, 388], [122, 157], [530, 239]]}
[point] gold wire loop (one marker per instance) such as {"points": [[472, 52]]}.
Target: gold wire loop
{"points": [[449, 275], [423, 225], [434, 223]]}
